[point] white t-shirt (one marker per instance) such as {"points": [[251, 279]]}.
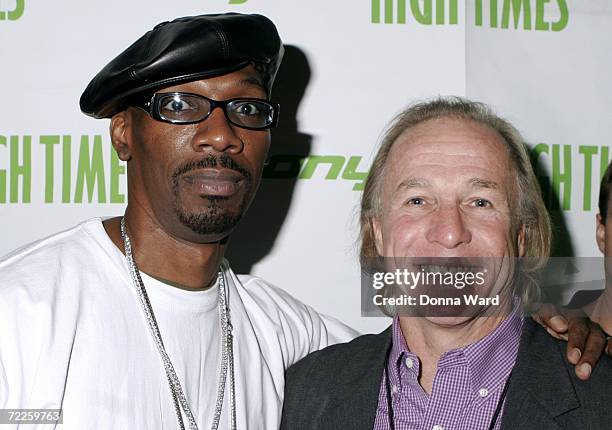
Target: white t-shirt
{"points": [[73, 336]]}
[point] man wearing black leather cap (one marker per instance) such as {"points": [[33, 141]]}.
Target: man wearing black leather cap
{"points": [[139, 322]]}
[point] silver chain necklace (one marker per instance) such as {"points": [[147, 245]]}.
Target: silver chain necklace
{"points": [[227, 350]]}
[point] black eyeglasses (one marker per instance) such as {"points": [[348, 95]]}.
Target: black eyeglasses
{"points": [[188, 108]]}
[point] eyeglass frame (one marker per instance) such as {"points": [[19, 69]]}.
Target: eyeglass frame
{"points": [[150, 104]]}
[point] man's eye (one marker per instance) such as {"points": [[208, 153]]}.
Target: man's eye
{"points": [[177, 105], [248, 109], [482, 203], [416, 201]]}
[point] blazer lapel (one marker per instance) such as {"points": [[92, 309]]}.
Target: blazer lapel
{"points": [[541, 388], [354, 404]]}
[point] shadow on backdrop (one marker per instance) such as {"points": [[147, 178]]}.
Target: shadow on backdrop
{"points": [[562, 243], [256, 234]]}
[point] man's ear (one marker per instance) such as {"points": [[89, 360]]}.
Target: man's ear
{"points": [[520, 241], [377, 230], [600, 233], [120, 122]]}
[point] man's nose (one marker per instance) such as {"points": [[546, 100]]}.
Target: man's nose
{"points": [[216, 133], [448, 227]]}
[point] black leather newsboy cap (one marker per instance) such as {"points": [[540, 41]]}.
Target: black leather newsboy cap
{"points": [[183, 50]]}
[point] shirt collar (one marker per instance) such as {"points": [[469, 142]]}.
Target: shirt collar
{"points": [[490, 359]]}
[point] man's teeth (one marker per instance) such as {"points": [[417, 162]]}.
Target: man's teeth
{"points": [[436, 268]]}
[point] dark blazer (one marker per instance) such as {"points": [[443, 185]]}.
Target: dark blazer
{"points": [[338, 387]]}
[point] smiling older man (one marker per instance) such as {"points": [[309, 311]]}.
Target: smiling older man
{"points": [[452, 181]]}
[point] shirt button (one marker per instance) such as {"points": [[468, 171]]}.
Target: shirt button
{"points": [[409, 363], [394, 389], [437, 427], [483, 392]]}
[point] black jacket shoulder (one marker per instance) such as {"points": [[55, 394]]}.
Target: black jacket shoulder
{"points": [[340, 381], [342, 360]]}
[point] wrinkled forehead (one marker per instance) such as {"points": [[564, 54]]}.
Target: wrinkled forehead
{"points": [[449, 135], [450, 150], [449, 140]]}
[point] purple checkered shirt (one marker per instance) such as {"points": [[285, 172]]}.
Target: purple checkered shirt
{"points": [[467, 386]]}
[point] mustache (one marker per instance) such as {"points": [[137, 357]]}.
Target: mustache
{"points": [[211, 160]]}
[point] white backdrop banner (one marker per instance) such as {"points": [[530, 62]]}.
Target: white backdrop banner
{"points": [[350, 66]]}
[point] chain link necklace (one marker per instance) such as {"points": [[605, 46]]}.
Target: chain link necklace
{"points": [[227, 351]]}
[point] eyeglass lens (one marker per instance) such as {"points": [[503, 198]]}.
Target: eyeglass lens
{"points": [[193, 108]]}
